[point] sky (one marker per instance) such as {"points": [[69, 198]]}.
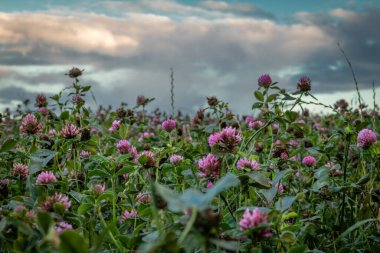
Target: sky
{"points": [[216, 48]]}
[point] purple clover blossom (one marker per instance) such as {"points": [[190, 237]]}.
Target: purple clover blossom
{"points": [[226, 140], [176, 159], [309, 161], [168, 125], [264, 81], [245, 163], [209, 166], [254, 219], [366, 138], [46, 177]]}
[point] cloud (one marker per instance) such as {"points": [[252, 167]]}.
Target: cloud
{"points": [[237, 8], [213, 49]]}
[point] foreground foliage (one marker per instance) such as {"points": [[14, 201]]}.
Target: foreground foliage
{"points": [[72, 180]]}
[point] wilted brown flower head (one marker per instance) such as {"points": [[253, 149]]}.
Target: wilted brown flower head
{"points": [[212, 101], [75, 72], [41, 100]]}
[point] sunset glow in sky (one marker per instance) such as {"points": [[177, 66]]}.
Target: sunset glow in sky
{"points": [[216, 48]]}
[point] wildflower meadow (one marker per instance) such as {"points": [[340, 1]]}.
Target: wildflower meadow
{"points": [[77, 179]]}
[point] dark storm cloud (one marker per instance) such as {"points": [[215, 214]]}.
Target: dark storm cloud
{"points": [[360, 40], [220, 55]]}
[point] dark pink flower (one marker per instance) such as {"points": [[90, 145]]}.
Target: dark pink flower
{"points": [[226, 140], [168, 125], [264, 81], [253, 220], [309, 161], [209, 166], [366, 138], [304, 84]]}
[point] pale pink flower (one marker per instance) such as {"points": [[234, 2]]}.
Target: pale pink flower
{"points": [[280, 187], [99, 189], [115, 126], [46, 177], [62, 226], [69, 131], [256, 124], [245, 163], [176, 159], [143, 198], [20, 170], [30, 125], [128, 215], [85, 154], [57, 198], [52, 132]]}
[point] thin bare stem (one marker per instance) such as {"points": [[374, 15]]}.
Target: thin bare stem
{"points": [[354, 76], [172, 90]]}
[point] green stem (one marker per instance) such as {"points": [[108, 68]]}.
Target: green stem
{"points": [[120, 247], [189, 225]]}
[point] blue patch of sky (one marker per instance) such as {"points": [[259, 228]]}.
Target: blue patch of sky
{"points": [[282, 9]]}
